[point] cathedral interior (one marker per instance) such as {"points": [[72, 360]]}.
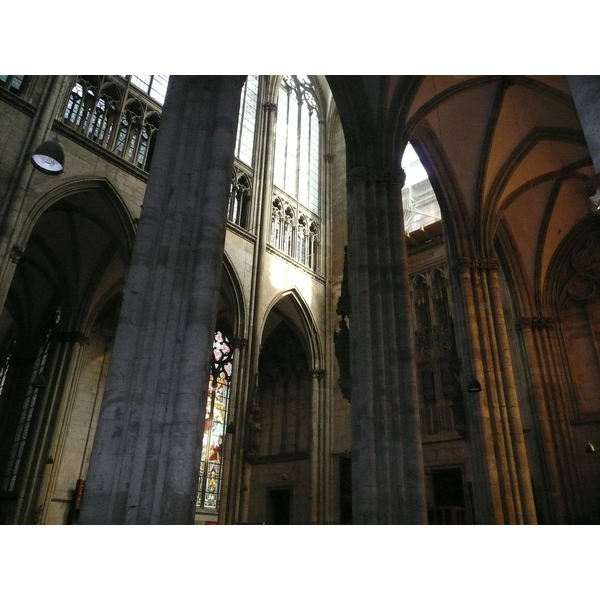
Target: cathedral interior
{"points": [[299, 299]]}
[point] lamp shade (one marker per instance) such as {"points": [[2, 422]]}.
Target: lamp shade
{"points": [[49, 157], [474, 386]]}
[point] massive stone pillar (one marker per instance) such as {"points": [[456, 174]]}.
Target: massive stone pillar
{"points": [[261, 215], [501, 478], [145, 460], [586, 95], [387, 462], [551, 394]]}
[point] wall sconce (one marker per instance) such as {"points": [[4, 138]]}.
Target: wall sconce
{"points": [[473, 386], [39, 382], [49, 157], [589, 447]]}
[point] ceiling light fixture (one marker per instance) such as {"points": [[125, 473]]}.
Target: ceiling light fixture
{"points": [[49, 157]]}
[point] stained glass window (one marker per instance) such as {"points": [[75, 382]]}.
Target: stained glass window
{"points": [[209, 484]]}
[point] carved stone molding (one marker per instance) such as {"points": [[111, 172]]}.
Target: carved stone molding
{"points": [[71, 336], [328, 158], [374, 176], [16, 254], [463, 264], [488, 264], [239, 343], [536, 323], [270, 107], [476, 264], [318, 374]]}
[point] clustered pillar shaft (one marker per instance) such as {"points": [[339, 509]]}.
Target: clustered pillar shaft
{"points": [[145, 461], [501, 478], [586, 91], [387, 462], [551, 395]]}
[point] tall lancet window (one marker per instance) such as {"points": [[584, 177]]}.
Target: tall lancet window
{"points": [[420, 205], [295, 227], [297, 141], [244, 142], [209, 484]]}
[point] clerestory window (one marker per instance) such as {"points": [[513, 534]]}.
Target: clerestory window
{"points": [[103, 109], [297, 141], [244, 142], [154, 85], [295, 227], [14, 83]]}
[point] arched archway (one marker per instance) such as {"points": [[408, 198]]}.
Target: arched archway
{"points": [[68, 278], [281, 436]]}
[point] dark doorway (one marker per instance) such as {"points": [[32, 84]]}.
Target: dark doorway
{"points": [[345, 490], [448, 497], [279, 507]]}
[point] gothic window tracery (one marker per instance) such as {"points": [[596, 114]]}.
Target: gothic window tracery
{"points": [[240, 195], [27, 409], [209, 483], [103, 109], [297, 141], [284, 388], [14, 83], [154, 85], [244, 142], [579, 311], [294, 232], [436, 355]]}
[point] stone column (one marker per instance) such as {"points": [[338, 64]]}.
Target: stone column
{"points": [[317, 449], [145, 461], [387, 462], [63, 384], [262, 218], [551, 405], [501, 478], [586, 95]]}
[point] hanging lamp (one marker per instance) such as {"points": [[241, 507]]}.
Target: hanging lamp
{"points": [[49, 157]]}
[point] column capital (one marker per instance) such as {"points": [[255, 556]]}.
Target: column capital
{"points": [[464, 264], [16, 254], [270, 107], [238, 342], [386, 176], [376, 176], [488, 264], [71, 336], [328, 158], [536, 323], [318, 374]]}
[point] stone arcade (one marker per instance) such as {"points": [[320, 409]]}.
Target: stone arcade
{"points": [[246, 305]]}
